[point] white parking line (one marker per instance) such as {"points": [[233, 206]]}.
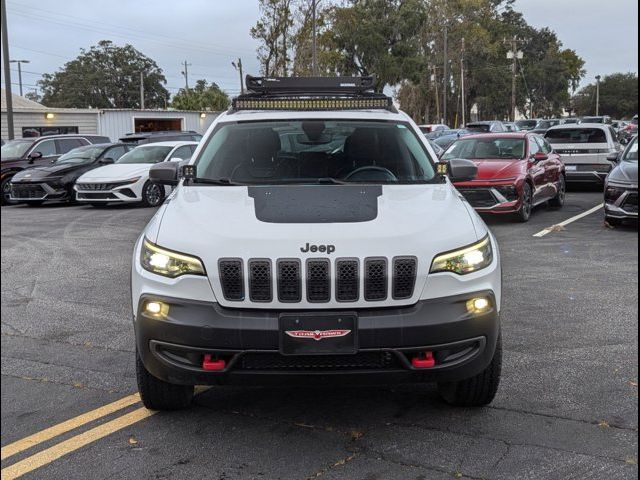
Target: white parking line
{"points": [[552, 228]]}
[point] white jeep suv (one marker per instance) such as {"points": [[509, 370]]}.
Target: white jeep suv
{"points": [[313, 237]]}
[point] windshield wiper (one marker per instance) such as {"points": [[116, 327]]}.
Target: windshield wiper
{"points": [[332, 181], [216, 181]]}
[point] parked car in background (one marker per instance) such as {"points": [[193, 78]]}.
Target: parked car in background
{"points": [[527, 124], [168, 136], [511, 126], [450, 136], [516, 171], [621, 187], [570, 120], [545, 124], [16, 155], [55, 181], [433, 127], [491, 126], [584, 149], [628, 131], [127, 180], [437, 149], [601, 119], [618, 124]]}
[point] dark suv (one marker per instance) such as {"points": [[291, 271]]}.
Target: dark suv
{"points": [[16, 155], [169, 136]]}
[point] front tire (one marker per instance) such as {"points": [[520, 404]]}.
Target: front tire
{"points": [[558, 200], [476, 391], [5, 188], [159, 395], [152, 194], [524, 214]]}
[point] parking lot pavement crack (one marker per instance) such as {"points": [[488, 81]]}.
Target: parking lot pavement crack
{"points": [[57, 382], [338, 464], [560, 417]]}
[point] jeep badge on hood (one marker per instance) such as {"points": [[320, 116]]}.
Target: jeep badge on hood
{"points": [[329, 249]]}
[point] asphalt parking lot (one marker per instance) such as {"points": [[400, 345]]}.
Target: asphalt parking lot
{"points": [[567, 407]]}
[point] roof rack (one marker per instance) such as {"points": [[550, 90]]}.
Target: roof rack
{"points": [[311, 93]]}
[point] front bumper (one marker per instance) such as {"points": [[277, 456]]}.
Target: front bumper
{"points": [[489, 199], [37, 192], [109, 192], [625, 206], [172, 347]]}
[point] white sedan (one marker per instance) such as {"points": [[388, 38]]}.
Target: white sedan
{"points": [[127, 180]]}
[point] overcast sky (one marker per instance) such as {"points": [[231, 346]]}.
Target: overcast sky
{"points": [[210, 34]]}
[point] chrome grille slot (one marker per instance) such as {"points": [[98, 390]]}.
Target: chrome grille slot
{"points": [[289, 282], [231, 279], [375, 279], [404, 277], [318, 280], [347, 280], [260, 289]]}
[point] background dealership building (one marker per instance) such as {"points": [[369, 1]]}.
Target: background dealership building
{"points": [[32, 119]]}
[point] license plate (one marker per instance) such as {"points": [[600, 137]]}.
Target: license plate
{"points": [[312, 334], [571, 168]]}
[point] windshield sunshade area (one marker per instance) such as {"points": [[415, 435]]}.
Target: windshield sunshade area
{"points": [[315, 151], [576, 135], [15, 148], [151, 154], [80, 155], [486, 149]]}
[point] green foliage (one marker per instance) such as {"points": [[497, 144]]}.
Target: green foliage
{"points": [[273, 30], [105, 76], [202, 97], [618, 97]]}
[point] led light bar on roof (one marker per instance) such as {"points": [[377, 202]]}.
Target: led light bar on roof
{"points": [[313, 104]]}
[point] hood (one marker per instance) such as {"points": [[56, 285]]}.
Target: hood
{"points": [[356, 221], [116, 171], [625, 172], [35, 174], [499, 169]]}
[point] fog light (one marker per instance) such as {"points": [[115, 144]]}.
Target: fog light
{"points": [[156, 309], [478, 305]]}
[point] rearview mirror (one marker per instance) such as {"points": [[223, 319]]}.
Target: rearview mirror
{"points": [[165, 173], [613, 157], [34, 156], [106, 161], [461, 170]]}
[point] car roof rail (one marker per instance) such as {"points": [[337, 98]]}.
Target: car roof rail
{"points": [[311, 94]]}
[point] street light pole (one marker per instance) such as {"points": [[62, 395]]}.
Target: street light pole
{"points": [[597, 95], [19, 62], [7, 72], [238, 68], [314, 57], [464, 106], [445, 78]]}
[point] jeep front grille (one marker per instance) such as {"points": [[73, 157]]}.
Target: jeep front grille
{"points": [[318, 280]]}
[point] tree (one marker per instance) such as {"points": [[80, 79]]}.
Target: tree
{"points": [[201, 97], [274, 31], [618, 96], [105, 76]]}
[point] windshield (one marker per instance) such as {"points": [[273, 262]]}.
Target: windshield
{"points": [[592, 120], [547, 123], [479, 127], [526, 124], [576, 135], [315, 151], [81, 155], [146, 154], [15, 148], [631, 153], [486, 149]]}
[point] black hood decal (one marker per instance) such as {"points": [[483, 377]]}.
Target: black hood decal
{"points": [[316, 203]]}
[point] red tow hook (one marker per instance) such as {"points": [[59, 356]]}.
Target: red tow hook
{"points": [[423, 360], [212, 365]]}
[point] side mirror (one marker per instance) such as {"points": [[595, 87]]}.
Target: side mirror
{"points": [[164, 173], [106, 161], [33, 156], [539, 157], [613, 157], [461, 170]]}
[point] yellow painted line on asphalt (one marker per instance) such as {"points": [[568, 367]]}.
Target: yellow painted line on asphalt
{"points": [[548, 230], [67, 426], [74, 443]]}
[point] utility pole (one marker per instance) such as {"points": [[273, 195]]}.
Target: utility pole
{"points": [[434, 79], [185, 72], [314, 58], [238, 68], [445, 79], [463, 106], [597, 95], [19, 62], [7, 72], [514, 54], [141, 90]]}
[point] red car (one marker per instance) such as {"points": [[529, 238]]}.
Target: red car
{"points": [[516, 171]]}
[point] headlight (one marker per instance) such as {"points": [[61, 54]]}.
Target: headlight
{"points": [[613, 193], [167, 263], [130, 180], [466, 260]]}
